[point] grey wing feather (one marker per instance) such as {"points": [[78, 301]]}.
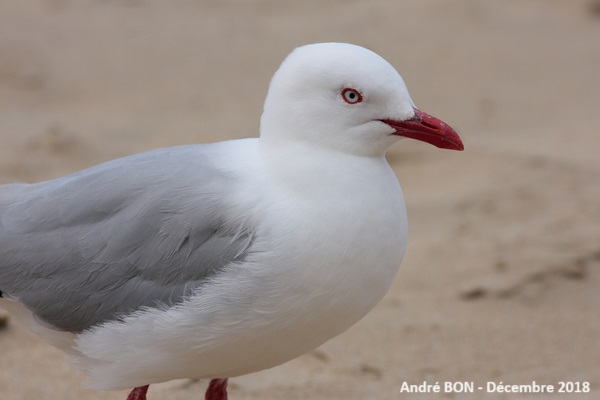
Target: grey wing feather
{"points": [[145, 230]]}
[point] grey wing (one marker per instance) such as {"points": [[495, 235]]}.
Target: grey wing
{"points": [[142, 231]]}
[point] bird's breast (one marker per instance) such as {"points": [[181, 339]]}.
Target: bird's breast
{"points": [[343, 249]]}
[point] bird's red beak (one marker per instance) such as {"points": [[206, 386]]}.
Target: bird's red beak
{"points": [[428, 129]]}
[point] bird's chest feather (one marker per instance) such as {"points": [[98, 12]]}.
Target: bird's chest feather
{"points": [[345, 252]]}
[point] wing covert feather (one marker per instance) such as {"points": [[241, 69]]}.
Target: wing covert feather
{"points": [[140, 231]]}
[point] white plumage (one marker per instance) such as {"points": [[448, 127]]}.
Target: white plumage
{"points": [[312, 205]]}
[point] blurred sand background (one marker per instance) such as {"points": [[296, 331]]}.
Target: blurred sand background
{"points": [[501, 281]]}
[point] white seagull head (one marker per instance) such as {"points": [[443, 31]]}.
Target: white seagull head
{"points": [[345, 98]]}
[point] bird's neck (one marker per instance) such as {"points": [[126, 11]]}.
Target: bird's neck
{"points": [[305, 167]]}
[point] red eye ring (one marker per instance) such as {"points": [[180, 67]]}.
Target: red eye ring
{"points": [[351, 96]]}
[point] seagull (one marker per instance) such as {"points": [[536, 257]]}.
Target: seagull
{"points": [[212, 261]]}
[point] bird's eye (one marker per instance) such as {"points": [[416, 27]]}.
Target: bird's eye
{"points": [[351, 96]]}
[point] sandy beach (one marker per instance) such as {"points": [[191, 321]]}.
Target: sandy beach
{"points": [[501, 280]]}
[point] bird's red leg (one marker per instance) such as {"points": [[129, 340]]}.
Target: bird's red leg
{"points": [[139, 393], [217, 390]]}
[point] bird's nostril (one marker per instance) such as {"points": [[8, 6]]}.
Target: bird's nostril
{"points": [[429, 125]]}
